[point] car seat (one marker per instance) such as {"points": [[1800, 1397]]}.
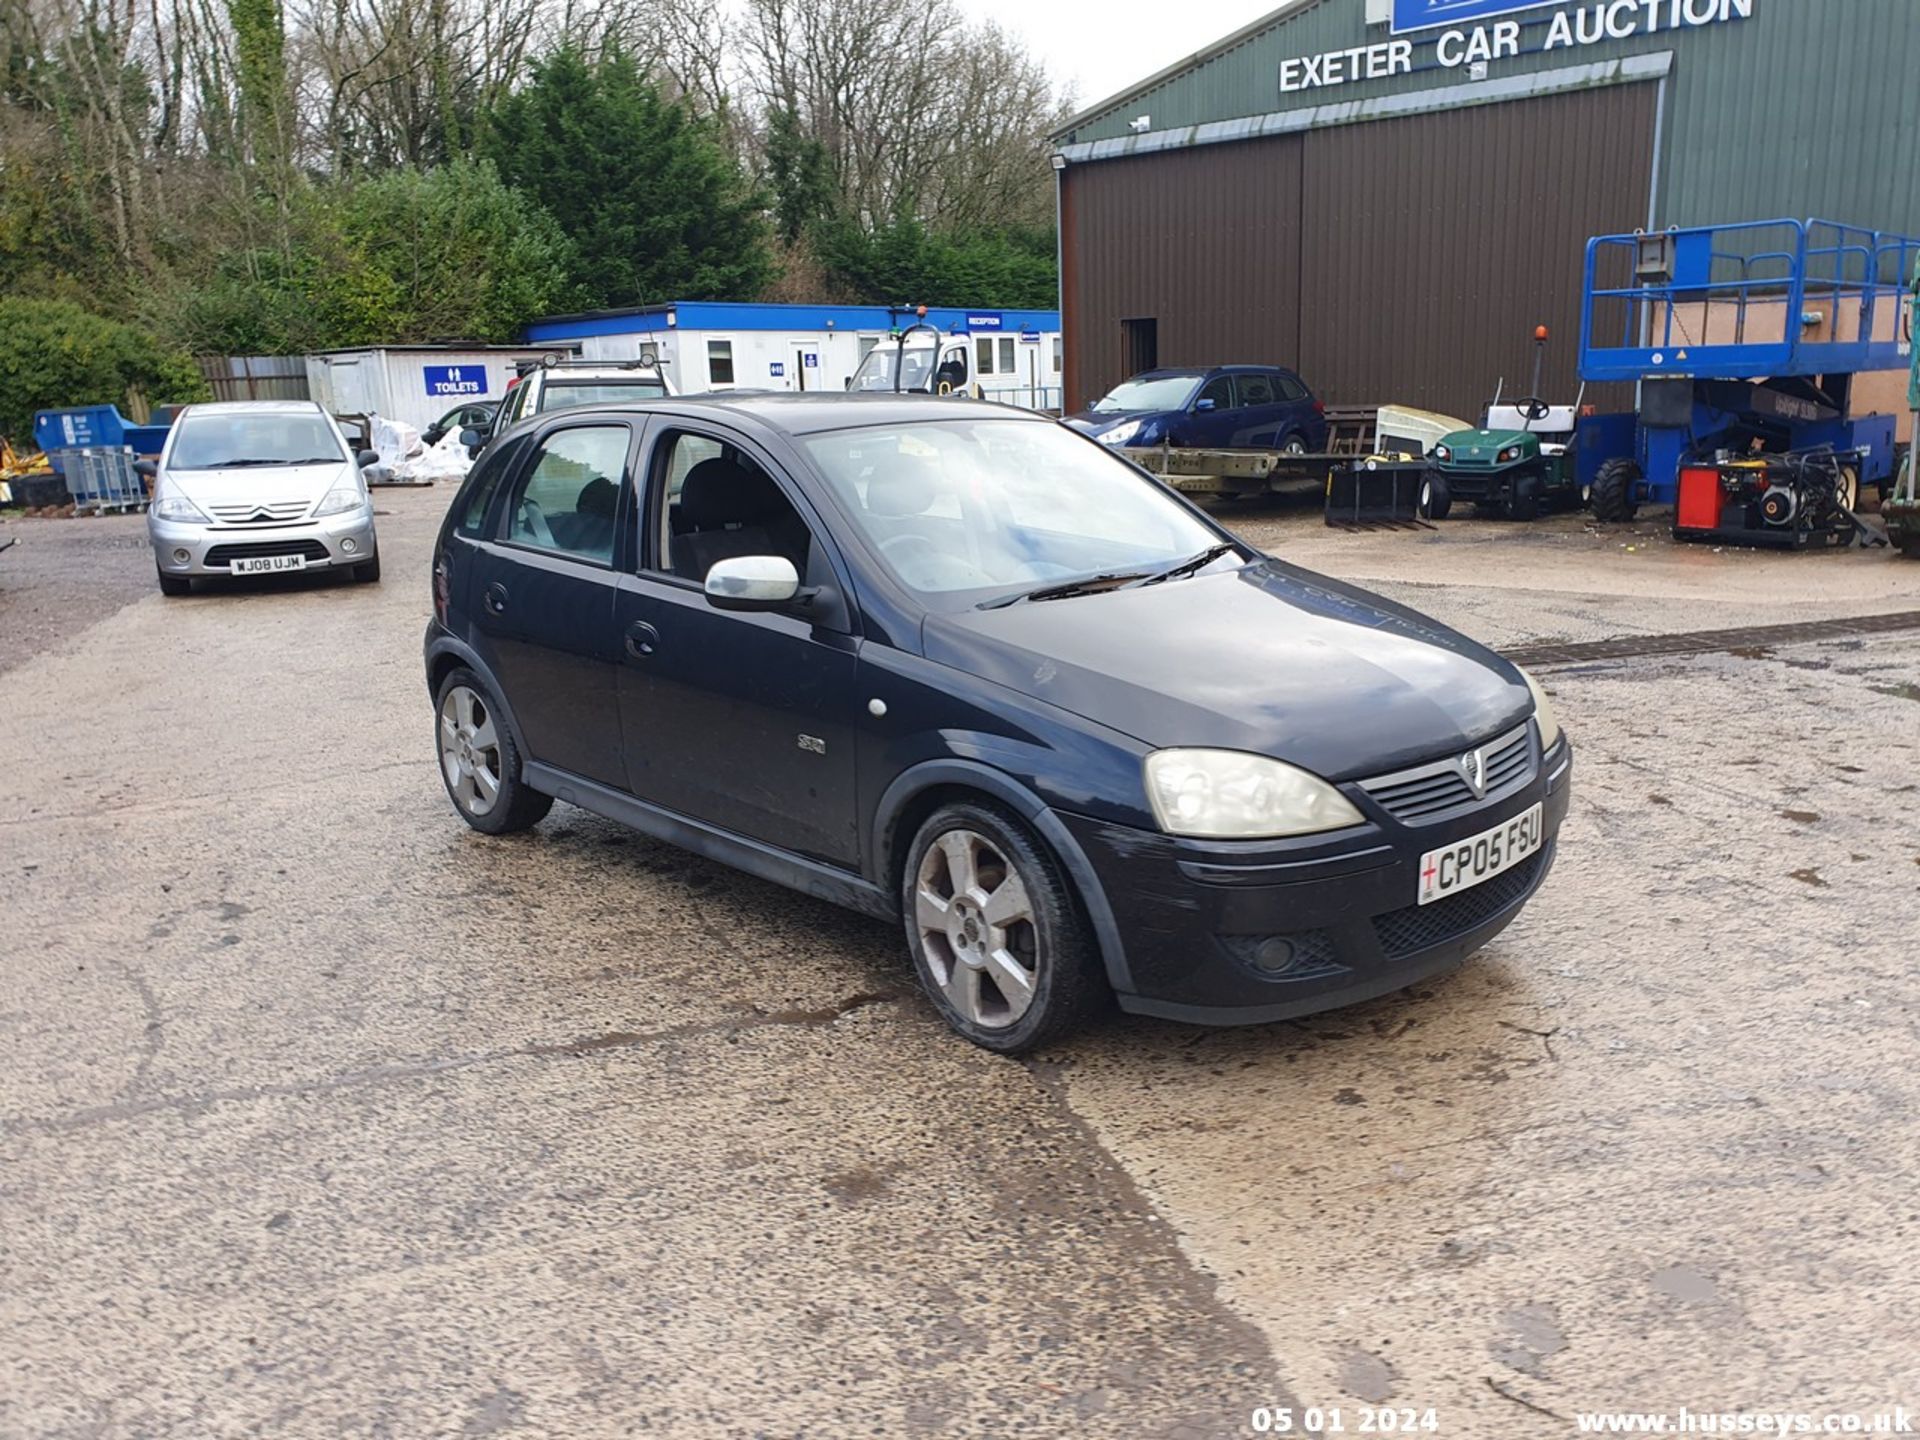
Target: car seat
{"points": [[727, 510], [589, 530]]}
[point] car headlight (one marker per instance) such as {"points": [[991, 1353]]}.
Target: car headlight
{"points": [[179, 509], [1441, 452], [1512, 452], [1542, 712], [1231, 795], [339, 500], [1121, 433]]}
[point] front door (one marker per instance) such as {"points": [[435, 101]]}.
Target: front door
{"points": [[1211, 420], [542, 591], [746, 721]]}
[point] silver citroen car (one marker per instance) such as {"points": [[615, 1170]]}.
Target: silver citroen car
{"points": [[258, 487]]}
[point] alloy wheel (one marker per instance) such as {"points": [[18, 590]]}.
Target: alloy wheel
{"points": [[976, 924], [469, 750]]}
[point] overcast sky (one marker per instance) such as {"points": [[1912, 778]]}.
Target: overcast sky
{"points": [[1100, 46]]}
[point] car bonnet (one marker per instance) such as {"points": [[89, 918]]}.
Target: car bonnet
{"points": [[1269, 658]]}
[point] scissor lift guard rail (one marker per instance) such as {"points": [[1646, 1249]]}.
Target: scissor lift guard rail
{"points": [[1743, 341]]}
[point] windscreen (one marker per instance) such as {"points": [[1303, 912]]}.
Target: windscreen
{"points": [[965, 509], [240, 440], [876, 371], [1148, 392]]}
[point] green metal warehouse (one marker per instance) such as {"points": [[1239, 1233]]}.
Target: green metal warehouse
{"points": [[1390, 194]]}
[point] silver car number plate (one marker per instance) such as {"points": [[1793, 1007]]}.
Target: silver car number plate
{"points": [[267, 564], [1465, 863]]}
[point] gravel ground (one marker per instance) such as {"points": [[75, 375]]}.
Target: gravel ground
{"points": [[66, 575], [321, 1115]]}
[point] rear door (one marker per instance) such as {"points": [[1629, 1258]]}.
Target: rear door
{"points": [[541, 592], [1262, 418]]}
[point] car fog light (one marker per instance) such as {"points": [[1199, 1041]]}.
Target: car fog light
{"points": [[1274, 955], [349, 546], [181, 555]]}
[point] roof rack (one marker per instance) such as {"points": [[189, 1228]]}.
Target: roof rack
{"points": [[555, 361]]}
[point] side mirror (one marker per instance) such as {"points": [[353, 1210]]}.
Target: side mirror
{"points": [[146, 469], [364, 458], [752, 582], [1203, 405], [472, 438]]}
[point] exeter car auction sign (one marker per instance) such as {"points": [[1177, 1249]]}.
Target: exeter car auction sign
{"points": [[1466, 43]]}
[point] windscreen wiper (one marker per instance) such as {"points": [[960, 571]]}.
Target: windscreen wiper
{"points": [[1085, 585], [1186, 567]]}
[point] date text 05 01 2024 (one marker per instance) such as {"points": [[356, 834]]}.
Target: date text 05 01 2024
{"points": [[1340, 1420]]}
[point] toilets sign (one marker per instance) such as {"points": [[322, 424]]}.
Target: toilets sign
{"points": [[1473, 34], [457, 382]]}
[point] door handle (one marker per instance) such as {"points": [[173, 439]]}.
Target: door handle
{"points": [[642, 640], [497, 598]]}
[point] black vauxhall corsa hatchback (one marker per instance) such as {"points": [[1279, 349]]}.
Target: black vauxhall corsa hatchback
{"points": [[959, 667]]}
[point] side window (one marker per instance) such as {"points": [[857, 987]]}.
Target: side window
{"points": [[1220, 391], [1006, 355], [1254, 388], [953, 369], [569, 497], [717, 503], [1289, 386], [983, 356], [719, 362], [481, 483]]}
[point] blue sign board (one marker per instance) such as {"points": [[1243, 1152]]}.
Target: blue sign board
{"points": [[456, 382], [777, 369], [813, 360], [982, 322], [1429, 14]]}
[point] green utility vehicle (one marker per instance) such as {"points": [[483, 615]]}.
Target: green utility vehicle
{"points": [[1518, 463]]}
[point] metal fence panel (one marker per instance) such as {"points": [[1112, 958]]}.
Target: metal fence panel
{"points": [[256, 377]]}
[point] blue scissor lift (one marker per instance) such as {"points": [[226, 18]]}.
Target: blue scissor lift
{"points": [[1743, 341]]}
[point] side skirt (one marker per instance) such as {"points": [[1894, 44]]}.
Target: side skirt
{"points": [[810, 877]]}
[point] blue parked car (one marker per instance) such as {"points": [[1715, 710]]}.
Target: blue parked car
{"points": [[1227, 407]]}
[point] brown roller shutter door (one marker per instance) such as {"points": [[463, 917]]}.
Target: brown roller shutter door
{"points": [[1405, 260]]}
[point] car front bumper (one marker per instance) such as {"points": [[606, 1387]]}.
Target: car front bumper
{"points": [[1233, 934], [181, 549]]}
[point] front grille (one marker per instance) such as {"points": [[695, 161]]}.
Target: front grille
{"points": [[1421, 927], [1436, 790], [227, 554], [280, 512]]}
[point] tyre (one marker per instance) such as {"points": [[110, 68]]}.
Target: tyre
{"points": [[479, 763], [1614, 490], [1523, 498], [367, 572], [997, 935], [173, 584], [1435, 498]]}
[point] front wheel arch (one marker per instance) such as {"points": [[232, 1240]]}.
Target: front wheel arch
{"points": [[916, 793]]}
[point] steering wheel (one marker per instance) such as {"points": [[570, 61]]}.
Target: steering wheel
{"points": [[534, 521], [1533, 408], [915, 556]]}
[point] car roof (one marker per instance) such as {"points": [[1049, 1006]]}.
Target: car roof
{"points": [[792, 412], [256, 407]]}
